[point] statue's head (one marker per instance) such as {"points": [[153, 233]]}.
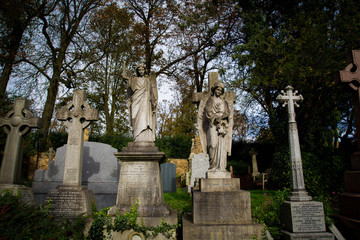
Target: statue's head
{"points": [[218, 86], [140, 69]]}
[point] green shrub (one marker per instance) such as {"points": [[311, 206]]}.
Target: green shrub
{"points": [[239, 167], [268, 213], [178, 146], [19, 220]]}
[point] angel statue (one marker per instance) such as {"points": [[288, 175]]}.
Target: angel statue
{"points": [[142, 102], [215, 120]]}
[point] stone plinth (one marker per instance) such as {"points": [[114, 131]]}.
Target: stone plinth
{"points": [[140, 182], [303, 220], [220, 211], [70, 201], [219, 231], [26, 194]]}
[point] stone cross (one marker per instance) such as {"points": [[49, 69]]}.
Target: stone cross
{"points": [[253, 154], [213, 78], [15, 124], [349, 75], [50, 153], [77, 116], [291, 99]]}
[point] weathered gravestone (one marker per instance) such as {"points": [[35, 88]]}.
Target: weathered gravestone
{"points": [[16, 123], [220, 209], [100, 173], [349, 201], [140, 177], [71, 199], [301, 217], [168, 177], [50, 154], [199, 167]]}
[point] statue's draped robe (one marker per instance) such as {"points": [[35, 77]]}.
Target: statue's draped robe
{"points": [[141, 113], [217, 113]]}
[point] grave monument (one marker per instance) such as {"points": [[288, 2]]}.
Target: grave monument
{"points": [[71, 199], [349, 201], [301, 217], [220, 209], [140, 177], [16, 124], [100, 173]]}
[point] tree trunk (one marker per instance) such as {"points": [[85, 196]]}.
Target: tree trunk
{"points": [[16, 37], [49, 109]]}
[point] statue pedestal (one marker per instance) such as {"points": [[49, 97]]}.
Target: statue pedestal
{"points": [[26, 194], [220, 211], [140, 182], [70, 201], [304, 220]]}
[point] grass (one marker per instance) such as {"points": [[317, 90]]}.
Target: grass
{"points": [[258, 197], [181, 200]]}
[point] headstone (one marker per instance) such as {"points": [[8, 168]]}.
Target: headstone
{"points": [[100, 174], [349, 200], [221, 210], [301, 217], [168, 177], [71, 199], [199, 167], [16, 124]]}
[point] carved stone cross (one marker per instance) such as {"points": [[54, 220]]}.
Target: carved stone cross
{"points": [[253, 154], [78, 116], [15, 124], [298, 193], [50, 153]]}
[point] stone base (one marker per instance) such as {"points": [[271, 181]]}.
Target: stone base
{"points": [[355, 161], [299, 196], [219, 231], [218, 174], [221, 207], [219, 185], [352, 181], [310, 236], [303, 217], [350, 205], [349, 227], [143, 211], [26, 194], [70, 201]]}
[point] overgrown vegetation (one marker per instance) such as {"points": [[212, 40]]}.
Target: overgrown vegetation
{"points": [[103, 223], [19, 221]]}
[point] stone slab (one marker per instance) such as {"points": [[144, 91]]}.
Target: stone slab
{"points": [[26, 194], [355, 161], [349, 227], [350, 205], [219, 184], [70, 201], [168, 177], [219, 231], [303, 217], [199, 167], [221, 207], [307, 236], [352, 181], [218, 174]]}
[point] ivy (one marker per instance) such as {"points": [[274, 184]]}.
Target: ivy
{"points": [[104, 223]]}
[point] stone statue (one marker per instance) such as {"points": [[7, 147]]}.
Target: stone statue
{"points": [[142, 101], [215, 119]]}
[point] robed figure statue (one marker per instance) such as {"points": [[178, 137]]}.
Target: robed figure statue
{"points": [[142, 102], [215, 119]]}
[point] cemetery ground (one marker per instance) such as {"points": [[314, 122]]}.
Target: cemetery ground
{"points": [[21, 221]]}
